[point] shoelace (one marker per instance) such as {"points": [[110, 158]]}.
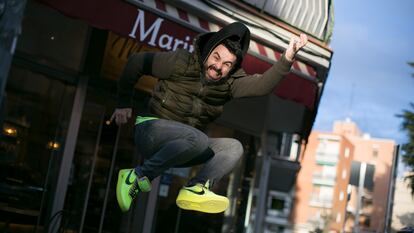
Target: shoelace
{"points": [[208, 184], [134, 189]]}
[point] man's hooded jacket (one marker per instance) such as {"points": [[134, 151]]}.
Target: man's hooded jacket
{"points": [[181, 93]]}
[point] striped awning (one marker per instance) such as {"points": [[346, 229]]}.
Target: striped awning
{"points": [[166, 27], [257, 49], [314, 17]]}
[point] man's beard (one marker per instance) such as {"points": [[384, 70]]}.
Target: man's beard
{"points": [[206, 80]]}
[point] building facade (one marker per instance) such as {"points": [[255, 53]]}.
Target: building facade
{"points": [[325, 198], [60, 156]]}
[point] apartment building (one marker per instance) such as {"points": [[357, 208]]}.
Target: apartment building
{"points": [[324, 199]]}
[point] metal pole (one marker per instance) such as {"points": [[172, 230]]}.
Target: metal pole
{"points": [[264, 176], [151, 206], [360, 193], [262, 195], [95, 156], [249, 205], [177, 221], [108, 183], [11, 15]]}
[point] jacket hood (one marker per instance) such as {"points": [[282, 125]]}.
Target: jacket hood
{"points": [[205, 43]]}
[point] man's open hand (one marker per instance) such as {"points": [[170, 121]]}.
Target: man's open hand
{"points": [[295, 45], [121, 115]]}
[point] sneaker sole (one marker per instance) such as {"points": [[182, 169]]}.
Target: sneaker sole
{"points": [[119, 197], [211, 206]]}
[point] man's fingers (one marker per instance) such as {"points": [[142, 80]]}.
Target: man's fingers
{"points": [[121, 115], [122, 118], [303, 40], [119, 119], [298, 42]]}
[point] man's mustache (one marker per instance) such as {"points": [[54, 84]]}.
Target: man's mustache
{"points": [[218, 71]]}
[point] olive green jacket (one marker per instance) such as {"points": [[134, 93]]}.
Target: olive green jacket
{"points": [[181, 94]]}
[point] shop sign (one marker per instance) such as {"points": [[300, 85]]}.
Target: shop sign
{"points": [[155, 38]]}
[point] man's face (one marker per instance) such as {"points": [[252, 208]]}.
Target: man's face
{"points": [[219, 63]]}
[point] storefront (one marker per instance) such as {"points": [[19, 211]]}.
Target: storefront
{"points": [[59, 154]]}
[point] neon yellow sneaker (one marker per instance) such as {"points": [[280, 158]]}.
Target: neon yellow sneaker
{"points": [[199, 198], [128, 186]]}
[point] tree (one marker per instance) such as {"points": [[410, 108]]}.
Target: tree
{"points": [[408, 148], [412, 65]]}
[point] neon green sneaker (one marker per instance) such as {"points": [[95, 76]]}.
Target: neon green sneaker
{"points": [[128, 186], [199, 198]]}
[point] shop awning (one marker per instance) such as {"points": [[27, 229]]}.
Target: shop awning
{"points": [[293, 106], [161, 25]]}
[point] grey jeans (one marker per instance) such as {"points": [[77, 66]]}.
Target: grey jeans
{"points": [[165, 144]]}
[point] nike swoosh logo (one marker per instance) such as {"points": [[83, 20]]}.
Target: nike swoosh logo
{"points": [[196, 192], [127, 181]]}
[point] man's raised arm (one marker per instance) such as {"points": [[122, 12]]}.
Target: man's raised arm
{"points": [[263, 84]]}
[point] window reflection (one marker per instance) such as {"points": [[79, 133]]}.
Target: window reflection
{"points": [[36, 113]]}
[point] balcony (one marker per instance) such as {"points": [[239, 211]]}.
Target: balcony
{"points": [[326, 180], [326, 159], [320, 201]]}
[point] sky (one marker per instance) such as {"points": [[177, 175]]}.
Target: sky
{"points": [[370, 80]]}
